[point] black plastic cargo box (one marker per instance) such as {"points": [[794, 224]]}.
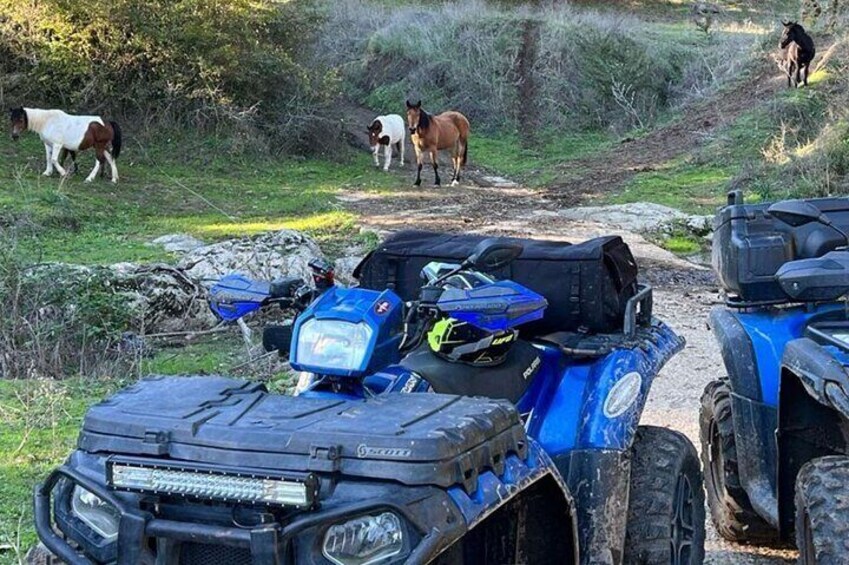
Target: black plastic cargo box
{"points": [[416, 439], [749, 245], [587, 285]]}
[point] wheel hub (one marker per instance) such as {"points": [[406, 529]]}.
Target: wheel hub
{"points": [[682, 528]]}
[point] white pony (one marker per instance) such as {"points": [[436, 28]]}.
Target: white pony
{"points": [[59, 131], [387, 131]]}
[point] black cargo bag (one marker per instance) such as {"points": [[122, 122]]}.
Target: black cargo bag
{"points": [[587, 285]]}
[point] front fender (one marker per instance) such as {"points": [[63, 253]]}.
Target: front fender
{"points": [[813, 415], [520, 477]]}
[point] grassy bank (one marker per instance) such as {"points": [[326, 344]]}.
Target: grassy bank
{"points": [[187, 185]]}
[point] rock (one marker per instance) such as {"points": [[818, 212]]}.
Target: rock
{"points": [[178, 242], [284, 253], [638, 217], [345, 269], [699, 225], [163, 298], [498, 182]]}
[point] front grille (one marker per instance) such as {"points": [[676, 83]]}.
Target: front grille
{"points": [[208, 554]]}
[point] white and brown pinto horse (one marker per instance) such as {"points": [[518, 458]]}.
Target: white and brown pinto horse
{"points": [[387, 131], [63, 132], [430, 134]]}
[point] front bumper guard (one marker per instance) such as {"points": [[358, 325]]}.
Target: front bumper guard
{"points": [[267, 543]]}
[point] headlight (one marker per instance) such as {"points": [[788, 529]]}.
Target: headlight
{"points": [[364, 540], [98, 514], [333, 344]]}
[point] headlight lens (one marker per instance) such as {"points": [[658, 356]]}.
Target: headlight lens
{"points": [[333, 344], [98, 514], [364, 540]]}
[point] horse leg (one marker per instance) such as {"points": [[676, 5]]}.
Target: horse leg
{"points": [[433, 159], [57, 149], [387, 156], [375, 152], [807, 67], [401, 151], [419, 161], [98, 162], [48, 150], [789, 71], [111, 160], [798, 75]]}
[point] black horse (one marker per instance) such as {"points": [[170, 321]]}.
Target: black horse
{"points": [[798, 50]]}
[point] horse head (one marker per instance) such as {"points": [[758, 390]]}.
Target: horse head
{"points": [[792, 31], [414, 116], [374, 130], [19, 122]]}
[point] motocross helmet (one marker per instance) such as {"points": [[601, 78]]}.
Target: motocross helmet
{"points": [[462, 342]]}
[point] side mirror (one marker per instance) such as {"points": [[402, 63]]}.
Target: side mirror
{"points": [[492, 254], [797, 213]]}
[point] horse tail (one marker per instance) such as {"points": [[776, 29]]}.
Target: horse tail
{"points": [[464, 134], [116, 139]]}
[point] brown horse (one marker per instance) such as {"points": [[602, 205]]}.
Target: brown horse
{"points": [[430, 134]]}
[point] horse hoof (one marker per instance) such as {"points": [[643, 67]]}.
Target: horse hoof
{"points": [[454, 183], [417, 183]]}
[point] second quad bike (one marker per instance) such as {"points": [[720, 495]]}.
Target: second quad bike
{"points": [[486, 412], [775, 431]]}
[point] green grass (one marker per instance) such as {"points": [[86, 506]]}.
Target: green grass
{"points": [[683, 185], [682, 245], [537, 165], [210, 195], [40, 424]]}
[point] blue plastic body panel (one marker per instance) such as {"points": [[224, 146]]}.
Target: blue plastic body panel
{"points": [[494, 307], [769, 331], [381, 311], [566, 403], [235, 296]]}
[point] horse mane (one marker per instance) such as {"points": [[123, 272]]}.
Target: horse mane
{"points": [[805, 41], [424, 119]]}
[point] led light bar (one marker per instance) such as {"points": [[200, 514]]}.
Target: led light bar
{"points": [[211, 484]]}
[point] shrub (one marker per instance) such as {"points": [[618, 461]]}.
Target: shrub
{"points": [[199, 63], [519, 67], [57, 321]]}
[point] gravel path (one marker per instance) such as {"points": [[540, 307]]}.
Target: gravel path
{"points": [[674, 399]]}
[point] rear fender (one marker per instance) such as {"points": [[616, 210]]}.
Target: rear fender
{"points": [[579, 411], [813, 416]]}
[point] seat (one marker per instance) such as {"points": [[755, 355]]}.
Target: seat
{"points": [[508, 381]]}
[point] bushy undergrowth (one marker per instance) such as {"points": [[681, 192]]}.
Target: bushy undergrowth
{"points": [[522, 67], [239, 64], [795, 144], [56, 321]]}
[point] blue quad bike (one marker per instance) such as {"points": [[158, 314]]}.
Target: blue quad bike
{"points": [[775, 431], [458, 418]]}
